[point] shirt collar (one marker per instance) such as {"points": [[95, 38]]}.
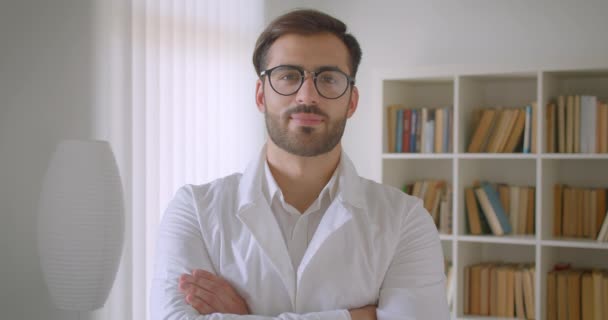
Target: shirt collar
{"points": [[270, 187], [347, 184]]}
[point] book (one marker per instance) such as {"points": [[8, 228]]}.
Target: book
{"points": [[482, 131], [420, 120], [467, 290], [528, 276], [557, 210], [476, 292], [522, 220], [510, 300], [499, 132], [492, 209], [516, 133], [551, 296], [601, 208], [413, 126], [561, 124], [550, 126], [588, 118], [448, 128], [514, 208], [569, 124], [586, 296], [530, 211], [577, 125], [562, 295], [504, 196], [527, 130], [520, 310], [603, 127], [424, 129], [600, 308], [486, 290], [407, 118], [439, 123], [574, 294], [603, 234], [534, 134], [429, 133], [494, 291], [398, 133]]}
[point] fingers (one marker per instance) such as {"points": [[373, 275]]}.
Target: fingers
{"points": [[213, 291], [200, 305]]}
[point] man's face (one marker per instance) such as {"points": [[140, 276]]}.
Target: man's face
{"points": [[305, 123]]}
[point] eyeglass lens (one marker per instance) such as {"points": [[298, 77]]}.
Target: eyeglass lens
{"points": [[286, 80]]}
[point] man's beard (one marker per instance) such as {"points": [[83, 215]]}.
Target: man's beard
{"points": [[307, 142]]}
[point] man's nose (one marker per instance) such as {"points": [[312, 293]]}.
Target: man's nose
{"points": [[308, 94]]}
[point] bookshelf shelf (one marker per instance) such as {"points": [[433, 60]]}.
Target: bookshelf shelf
{"points": [[446, 237], [462, 90], [575, 243], [495, 156], [561, 156], [516, 239], [417, 156]]}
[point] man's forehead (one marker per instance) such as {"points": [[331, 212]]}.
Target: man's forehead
{"points": [[309, 51]]}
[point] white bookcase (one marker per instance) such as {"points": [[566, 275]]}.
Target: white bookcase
{"points": [[465, 88]]}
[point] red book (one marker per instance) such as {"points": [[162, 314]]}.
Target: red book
{"points": [[407, 119]]}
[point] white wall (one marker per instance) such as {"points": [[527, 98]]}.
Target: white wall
{"points": [[45, 96], [420, 33]]}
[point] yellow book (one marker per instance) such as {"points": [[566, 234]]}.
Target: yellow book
{"points": [[570, 124], [483, 130], [561, 124]]}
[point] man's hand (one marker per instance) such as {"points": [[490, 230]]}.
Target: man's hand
{"points": [[208, 293], [365, 313]]}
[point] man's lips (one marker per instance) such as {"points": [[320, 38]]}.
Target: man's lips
{"points": [[306, 119]]}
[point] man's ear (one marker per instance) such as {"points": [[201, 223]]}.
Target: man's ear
{"points": [[259, 95], [354, 101]]}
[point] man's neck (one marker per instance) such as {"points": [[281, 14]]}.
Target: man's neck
{"points": [[301, 179]]}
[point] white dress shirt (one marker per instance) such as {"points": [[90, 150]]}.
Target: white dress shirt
{"points": [[373, 245], [297, 228]]}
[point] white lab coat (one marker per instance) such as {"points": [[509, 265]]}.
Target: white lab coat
{"points": [[374, 245]]}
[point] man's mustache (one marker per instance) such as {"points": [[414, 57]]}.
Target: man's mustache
{"points": [[305, 109]]}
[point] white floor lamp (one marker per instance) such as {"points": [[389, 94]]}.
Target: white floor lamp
{"points": [[81, 224]]}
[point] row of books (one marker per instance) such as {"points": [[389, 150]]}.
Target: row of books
{"points": [[580, 212], [500, 290], [500, 209], [577, 124], [577, 294], [504, 130], [437, 198], [422, 130]]}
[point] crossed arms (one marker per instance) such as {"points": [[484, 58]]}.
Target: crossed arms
{"points": [[184, 287]]}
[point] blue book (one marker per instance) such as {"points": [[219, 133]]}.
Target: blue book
{"points": [[495, 213], [399, 133], [528, 130], [446, 129], [413, 131]]}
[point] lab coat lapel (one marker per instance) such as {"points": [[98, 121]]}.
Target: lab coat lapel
{"points": [[340, 212], [336, 216], [264, 228], [255, 213]]}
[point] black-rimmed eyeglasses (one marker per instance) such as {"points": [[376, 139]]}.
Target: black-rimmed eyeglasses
{"points": [[330, 82]]}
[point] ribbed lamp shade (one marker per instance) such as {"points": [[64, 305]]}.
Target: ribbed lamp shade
{"points": [[81, 224]]}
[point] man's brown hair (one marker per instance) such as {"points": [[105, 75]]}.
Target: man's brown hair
{"points": [[305, 22]]}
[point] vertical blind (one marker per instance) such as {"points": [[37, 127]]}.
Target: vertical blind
{"points": [[194, 114]]}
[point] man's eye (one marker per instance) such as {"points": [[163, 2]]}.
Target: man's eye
{"points": [[289, 76], [328, 79]]}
